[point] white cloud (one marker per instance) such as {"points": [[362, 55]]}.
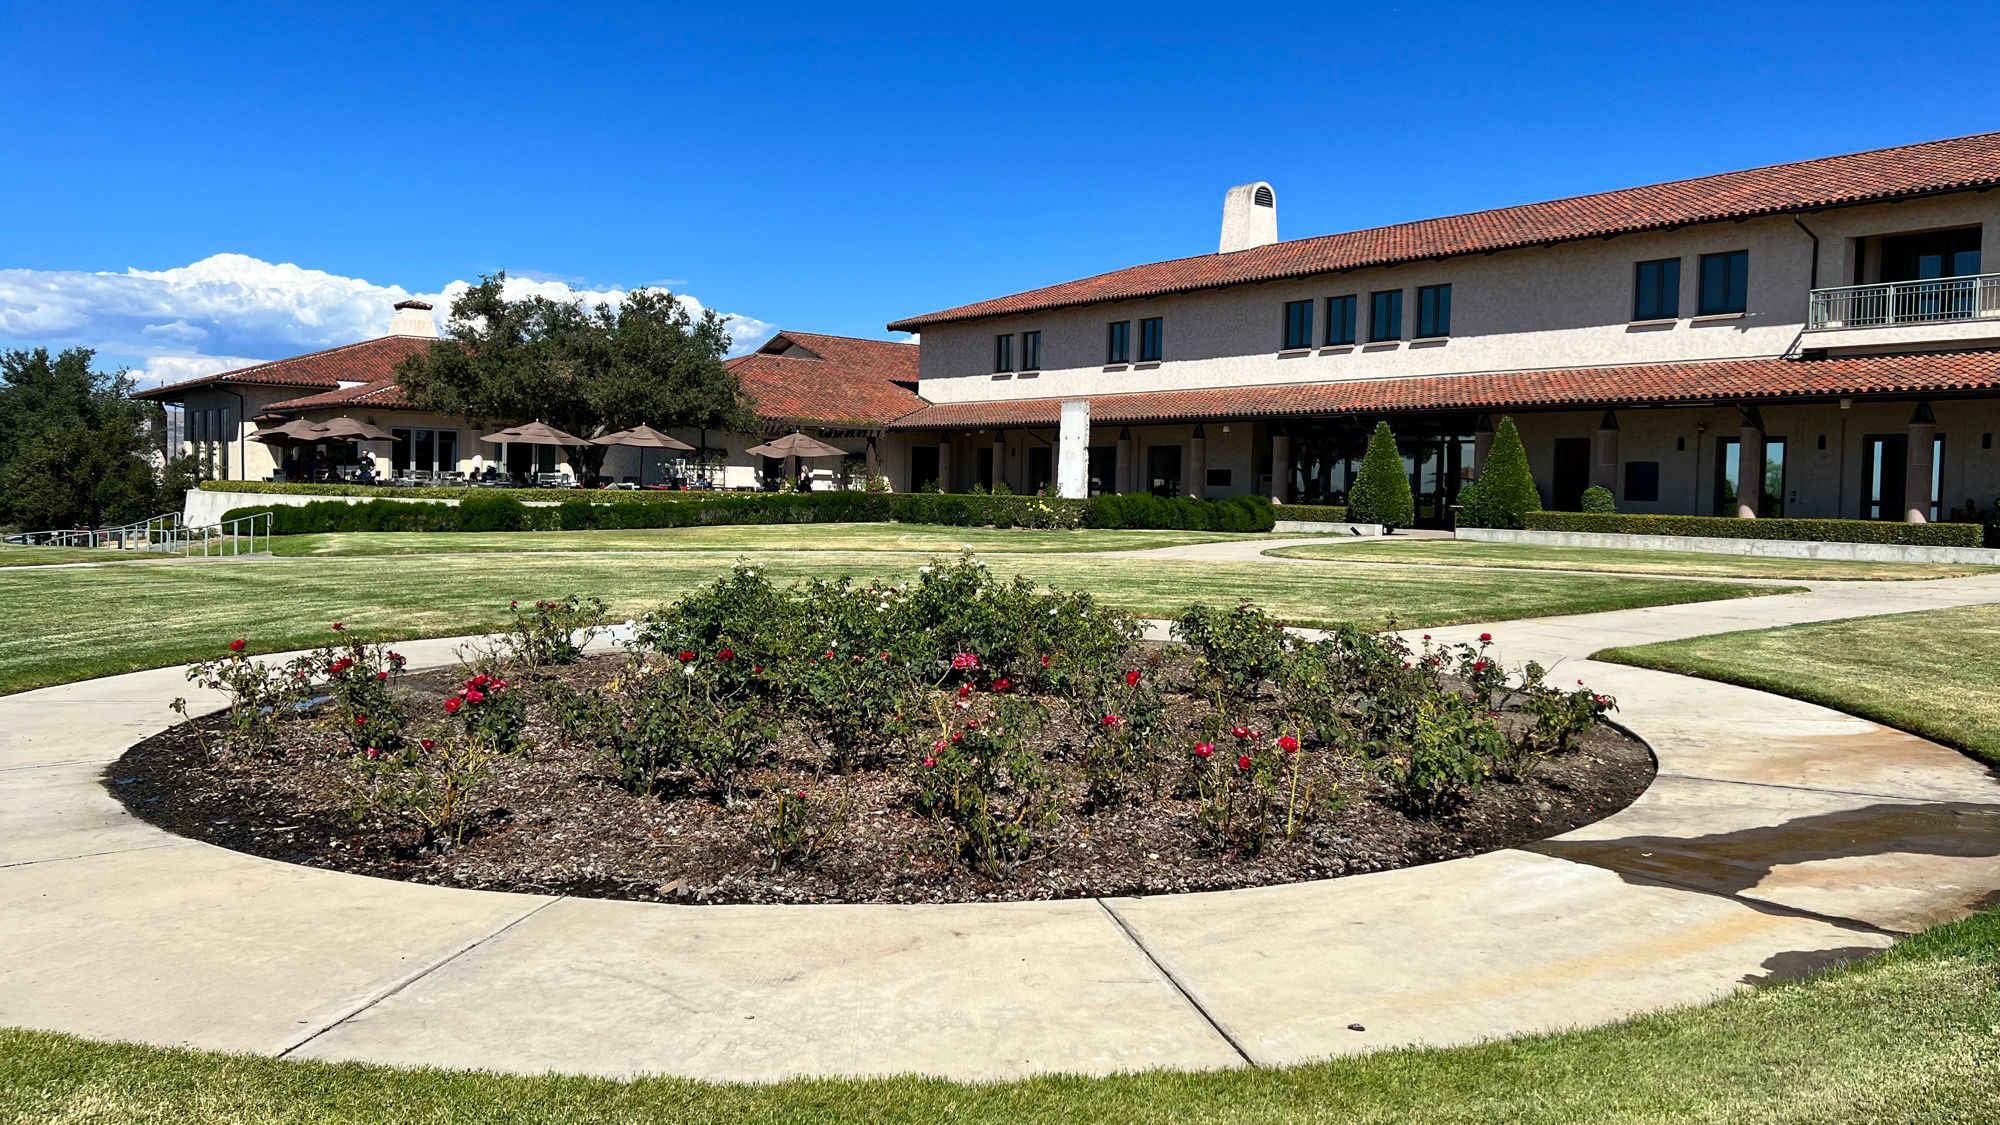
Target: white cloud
{"points": [[231, 309]]}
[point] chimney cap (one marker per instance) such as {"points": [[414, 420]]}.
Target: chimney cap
{"points": [[424, 305]]}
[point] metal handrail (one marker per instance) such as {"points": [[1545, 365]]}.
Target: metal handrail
{"points": [[1930, 301], [164, 533], [229, 538]]}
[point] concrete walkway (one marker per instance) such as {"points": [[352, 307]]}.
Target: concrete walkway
{"points": [[1779, 837]]}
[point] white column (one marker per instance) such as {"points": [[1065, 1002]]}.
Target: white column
{"points": [[1197, 472], [1918, 466], [1604, 454], [1073, 450], [1750, 466]]}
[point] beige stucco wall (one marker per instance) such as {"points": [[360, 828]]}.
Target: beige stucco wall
{"points": [[1562, 306]]}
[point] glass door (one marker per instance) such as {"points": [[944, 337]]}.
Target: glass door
{"points": [[1885, 460], [1727, 464]]}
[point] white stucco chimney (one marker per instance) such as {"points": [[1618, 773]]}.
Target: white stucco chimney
{"points": [[1249, 217], [413, 318]]}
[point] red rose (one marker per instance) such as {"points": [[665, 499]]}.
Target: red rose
{"points": [[372, 752], [337, 626], [360, 720], [1479, 666], [381, 675], [957, 738], [236, 646], [687, 657], [1242, 761], [757, 670], [1288, 744], [972, 724], [474, 695], [513, 605], [930, 763], [726, 655], [1132, 678], [1110, 720], [1486, 638], [1204, 749], [1045, 661], [1241, 732], [1002, 684], [802, 794], [451, 706], [964, 690], [427, 744]]}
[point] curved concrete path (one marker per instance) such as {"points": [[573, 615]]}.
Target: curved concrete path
{"points": [[1780, 836]]}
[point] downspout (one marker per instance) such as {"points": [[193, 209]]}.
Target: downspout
{"points": [[1812, 284]]}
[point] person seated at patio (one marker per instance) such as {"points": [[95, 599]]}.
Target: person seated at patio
{"points": [[365, 473]]}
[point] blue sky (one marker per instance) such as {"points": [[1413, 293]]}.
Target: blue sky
{"points": [[831, 168]]}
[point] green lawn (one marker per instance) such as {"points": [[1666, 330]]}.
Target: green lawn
{"points": [[919, 538], [15, 555], [1935, 673], [1451, 552], [1909, 1036], [58, 625]]}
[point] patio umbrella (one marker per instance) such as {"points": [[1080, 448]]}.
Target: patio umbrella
{"points": [[796, 444], [534, 433], [351, 429], [644, 437], [298, 431]]}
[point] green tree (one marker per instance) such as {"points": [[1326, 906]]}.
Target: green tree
{"points": [[1505, 492], [1381, 492], [585, 371], [75, 447]]}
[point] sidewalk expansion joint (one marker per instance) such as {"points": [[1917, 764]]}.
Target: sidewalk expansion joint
{"points": [[420, 974], [94, 855], [1167, 974], [1804, 788]]}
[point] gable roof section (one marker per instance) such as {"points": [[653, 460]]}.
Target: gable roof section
{"points": [[364, 362], [380, 394], [842, 381], [1963, 163], [1731, 380]]}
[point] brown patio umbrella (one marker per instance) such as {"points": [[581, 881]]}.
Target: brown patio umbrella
{"points": [[351, 429], [644, 437], [298, 431], [534, 433], [796, 444]]}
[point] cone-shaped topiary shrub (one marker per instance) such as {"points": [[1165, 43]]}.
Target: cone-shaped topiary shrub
{"points": [[1505, 492], [1381, 492]]}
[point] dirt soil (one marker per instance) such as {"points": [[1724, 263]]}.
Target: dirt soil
{"points": [[556, 821]]}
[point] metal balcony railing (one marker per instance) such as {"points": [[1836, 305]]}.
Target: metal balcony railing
{"points": [[1932, 301]]}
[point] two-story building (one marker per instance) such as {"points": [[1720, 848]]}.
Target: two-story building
{"points": [[1823, 326]]}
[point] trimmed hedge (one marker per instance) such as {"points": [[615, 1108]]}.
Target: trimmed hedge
{"points": [[461, 492], [1313, 513], [487, 511], [1794, 530]]}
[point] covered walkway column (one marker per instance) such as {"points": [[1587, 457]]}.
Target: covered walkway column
{"points": [[1073, 450], [944, 461], [1198, 464], [1750, 465], [1482, 444], [1000, 461], [1281, 466], [1121, 468], [1920, 465], [1604, 454], [874, 460]]}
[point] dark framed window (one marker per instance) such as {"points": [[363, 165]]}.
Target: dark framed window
{"points": [[1656, 289], [1433, 311], [1118, 342], [1385, 315], [1298, 325], [1031, 351], [1340, 319], [1003, 353], [1152, 340], [1642, 481], [1725, 282]]}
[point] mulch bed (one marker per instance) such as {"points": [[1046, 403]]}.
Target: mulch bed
{"points": [[556, 822]]}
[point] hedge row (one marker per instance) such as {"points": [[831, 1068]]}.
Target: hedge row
{"points": [[457, 492], [488, 512], [1313, 513], [1727, 527]]}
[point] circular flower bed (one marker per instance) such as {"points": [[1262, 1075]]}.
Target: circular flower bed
{"points": [[956, 739]]}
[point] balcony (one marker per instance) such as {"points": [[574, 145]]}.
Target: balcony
{"points": [[1929, 303]]}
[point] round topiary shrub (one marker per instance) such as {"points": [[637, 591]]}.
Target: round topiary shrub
{"points": [[1598, 498]]}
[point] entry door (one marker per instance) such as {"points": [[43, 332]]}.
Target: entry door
{"points": [[1572, 474], [1040, 473], [1726, 484], [986, 468], [923, 466], [1103, 463], [1885, 460], [1163, 470]]}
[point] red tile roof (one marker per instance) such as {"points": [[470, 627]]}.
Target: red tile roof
{"points": [[1884, 174], [1728, 380], [365, 362], [835, 380]]}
